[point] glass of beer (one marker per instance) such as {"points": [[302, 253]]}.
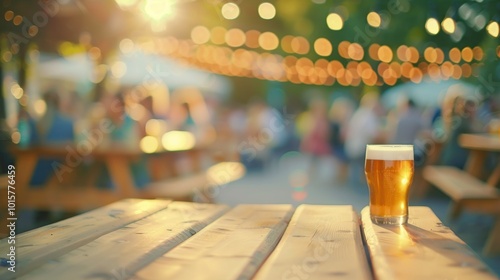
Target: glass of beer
{"points": [[389, 174]]}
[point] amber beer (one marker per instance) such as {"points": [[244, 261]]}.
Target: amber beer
{"points": [[389, 173]]}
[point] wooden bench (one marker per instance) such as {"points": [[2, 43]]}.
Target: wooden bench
{"points": [[160, 239], [201, 186], [468, 192]]}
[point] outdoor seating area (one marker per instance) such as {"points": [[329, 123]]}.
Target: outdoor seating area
{"points": [[273, 139]]}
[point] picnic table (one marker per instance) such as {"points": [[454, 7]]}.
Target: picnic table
{"points": [[468, 188], [161, 239], [65, 190]]}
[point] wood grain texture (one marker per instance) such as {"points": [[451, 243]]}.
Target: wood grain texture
{"points": [[321, 242], [41, 245], [232, 247], [422, 249], [122, 252]]}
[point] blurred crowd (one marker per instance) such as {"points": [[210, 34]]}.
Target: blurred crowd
{"points": [[337, 129]]}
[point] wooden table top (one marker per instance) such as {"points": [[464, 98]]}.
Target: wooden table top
{"points": [[480, 141], [160, 239]]}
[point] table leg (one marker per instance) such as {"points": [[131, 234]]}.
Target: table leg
{"points": [[120, 175], [493, 243], [475, 163], [25, 166]]}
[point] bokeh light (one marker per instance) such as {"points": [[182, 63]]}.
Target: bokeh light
{"points": [[267, 10], [252, 38], [448, 25], [432, 26], [467, 54], [355, 51], [230, 11], [178, 140], [374, 19], [158, 9], [9, 15], [385, 54], [126, 45], [200, 34], [455, 55], [493, 29], [334, 21], [323, 47], [235, 37], [16, 137], [268, 41], [119, 69], [149, 144], [300, 45]]}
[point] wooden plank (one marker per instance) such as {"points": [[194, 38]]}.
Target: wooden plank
{"points": [[457, 183], [321, 242], [40, 245], [483, 142], [422, 249], [122, 252], [177, 188], [232, 247]]}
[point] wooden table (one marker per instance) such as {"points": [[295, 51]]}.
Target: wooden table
{"points": [[468, 189], [160, 239], [116, 159], [479, 146]]}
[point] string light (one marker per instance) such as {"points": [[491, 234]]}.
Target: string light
{"points": [[448, 25], [374, 19], [432, 26], [493, 29], [267, 10], [301, 70], [334, 21]]}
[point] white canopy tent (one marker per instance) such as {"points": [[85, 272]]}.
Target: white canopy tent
{"points": [[428, 93], [133, 69]]}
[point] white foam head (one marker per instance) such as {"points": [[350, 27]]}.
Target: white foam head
{"points": [[389, 152]]}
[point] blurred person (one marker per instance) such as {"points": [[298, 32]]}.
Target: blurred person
{"points": [[461, 120], [316, 140], [263, 136], [125, 133], [52, 128], [340, 113], [364, 128], [408, 122]]}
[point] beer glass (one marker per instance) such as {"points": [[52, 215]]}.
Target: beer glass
{"points": [[389, 173]]}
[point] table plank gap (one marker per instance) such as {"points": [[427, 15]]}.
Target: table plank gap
{"points": [[40, 245], [132, 247], [422, 249], [232, 247]]}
